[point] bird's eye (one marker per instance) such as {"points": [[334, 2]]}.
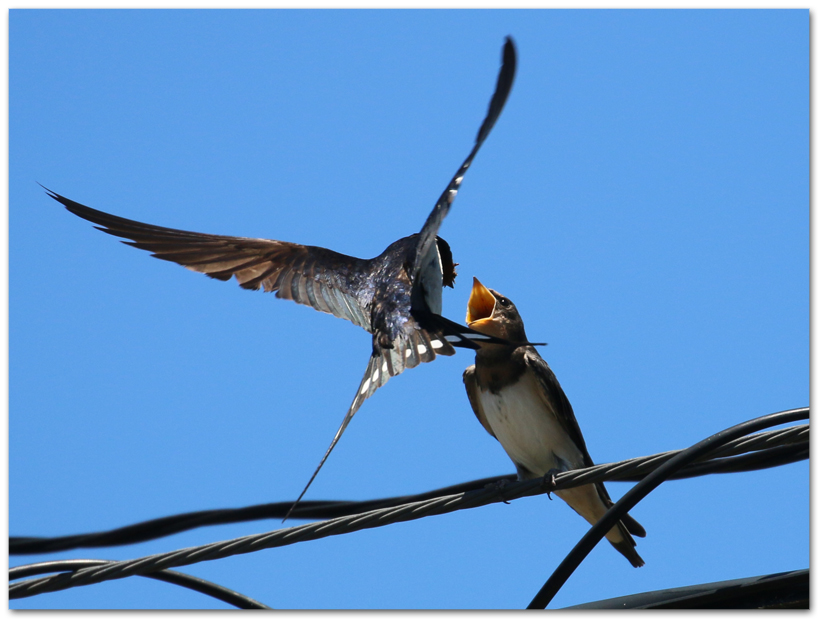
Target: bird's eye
{"points": [[504, 301]]}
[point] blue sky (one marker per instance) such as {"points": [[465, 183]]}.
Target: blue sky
{"points": [[644, 200]]}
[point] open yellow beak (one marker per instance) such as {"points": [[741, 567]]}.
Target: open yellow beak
{"points": [[480, 306]]}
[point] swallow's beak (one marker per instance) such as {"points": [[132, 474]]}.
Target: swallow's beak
{"points": [[480, 306]]}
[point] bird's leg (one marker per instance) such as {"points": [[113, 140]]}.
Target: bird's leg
{"points": [[381, 341], [548, 480]]}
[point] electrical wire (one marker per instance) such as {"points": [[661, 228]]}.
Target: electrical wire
{"points": [[665, 463], [166, 526], [769, 449], [169, 576], [647, 485]]}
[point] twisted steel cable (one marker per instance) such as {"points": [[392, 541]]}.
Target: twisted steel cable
{"points": [[725, 438], [169, 576], [406, 512], [167, 526], [771, 448], [636, 469]]}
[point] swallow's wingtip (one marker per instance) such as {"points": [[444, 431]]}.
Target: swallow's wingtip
{"points": [[509, 45], [50, 193]]}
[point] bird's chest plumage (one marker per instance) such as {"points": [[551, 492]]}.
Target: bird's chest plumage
{"points": [[527, 427], [393, 283]]}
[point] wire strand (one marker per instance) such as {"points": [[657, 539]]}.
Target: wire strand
{"points": [[642, 489], [771, 448], [406, 512], [169, 576]]}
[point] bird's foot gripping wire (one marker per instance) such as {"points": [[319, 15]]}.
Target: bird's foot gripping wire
{"points": [[548, 481]]}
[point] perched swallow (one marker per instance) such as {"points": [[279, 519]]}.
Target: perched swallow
{"points": [[396, 296], [518, 400]]}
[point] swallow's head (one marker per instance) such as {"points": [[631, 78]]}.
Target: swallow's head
{"points": [[489, 312]]}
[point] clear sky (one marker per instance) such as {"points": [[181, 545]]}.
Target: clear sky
{"points": [[643, 199]]}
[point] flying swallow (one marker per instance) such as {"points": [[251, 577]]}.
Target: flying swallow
{"points": [[395, 296], [518, 400]]}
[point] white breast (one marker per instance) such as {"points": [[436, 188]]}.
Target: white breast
{"points": [[527, 429]]}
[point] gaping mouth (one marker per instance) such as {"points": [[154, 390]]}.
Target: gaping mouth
{"points": [[480, 306]]}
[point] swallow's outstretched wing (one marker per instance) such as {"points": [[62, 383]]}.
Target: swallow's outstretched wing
{"points": [[370, 293], [502, 90], [309, 275]]}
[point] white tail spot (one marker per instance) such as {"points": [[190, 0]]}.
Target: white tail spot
{"points": [[422, 349], [437, 344], [365, 385]]}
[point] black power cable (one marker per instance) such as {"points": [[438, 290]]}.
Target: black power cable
{"points": [[647, 485], [166, 526], [723, 444], [169, 576]]}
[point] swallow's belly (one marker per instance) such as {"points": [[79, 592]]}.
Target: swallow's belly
{"points": [[527, 429]]}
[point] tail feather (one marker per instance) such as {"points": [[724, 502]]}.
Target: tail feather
{"points": [[627, 526], [634, 528], [629, 522], [407, 352], [373, 379], [592, 502], [626, 546]]}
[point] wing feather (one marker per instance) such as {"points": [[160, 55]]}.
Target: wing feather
{"points": [[471, 385], [554, 398], [553, 393], [503, 86], [293, 271]]}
